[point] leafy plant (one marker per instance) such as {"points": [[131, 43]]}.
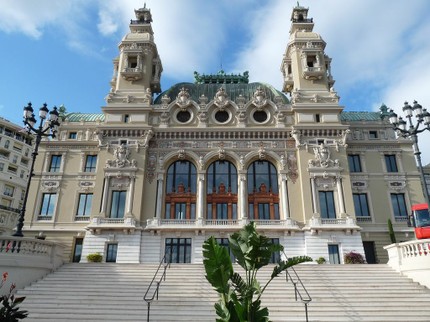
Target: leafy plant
{"points": [[94, 258], [391, 232], [321, 260], [354, 258], [9, 310], [240, 296]]}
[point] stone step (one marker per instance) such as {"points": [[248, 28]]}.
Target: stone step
{"points": [[114, 292]]}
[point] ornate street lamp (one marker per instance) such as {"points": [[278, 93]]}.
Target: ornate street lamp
{"points": [[401, 126], [47, 128]]}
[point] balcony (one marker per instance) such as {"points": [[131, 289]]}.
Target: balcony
{"points": [[224, 224], [317, 224], [132, 74], [313, 73], [98, 224]]}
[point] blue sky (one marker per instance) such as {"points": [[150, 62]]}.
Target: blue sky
{"points": [[60, 52]]}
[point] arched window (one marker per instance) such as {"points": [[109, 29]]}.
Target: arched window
{"points": [[221, 190], [181, 191], [263, 197]]}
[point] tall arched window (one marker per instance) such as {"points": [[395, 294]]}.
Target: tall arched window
{"points": [[221, 190], [181, 191], [263, 197]]}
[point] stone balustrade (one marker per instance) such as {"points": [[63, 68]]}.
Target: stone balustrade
{"points": [[411, 258], [156, 223], [28, 259], [97, 224]]}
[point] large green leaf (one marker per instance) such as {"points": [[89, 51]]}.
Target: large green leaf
{"points": [[283, 265], [218, 266]]}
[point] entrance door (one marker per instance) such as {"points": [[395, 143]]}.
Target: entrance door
{"points": [[369, 250], [333, 254], [77, 250]]}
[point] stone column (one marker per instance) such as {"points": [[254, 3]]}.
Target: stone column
{"points": [[340, 195], [129, 206], [314, 195], [160, 189], [200, 195], [105, 196], [284, 196], [243, 213]]}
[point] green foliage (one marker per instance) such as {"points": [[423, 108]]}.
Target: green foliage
{"points": [[321, 260], [391, 232], [354, 258], [94, 258], [9, 310], [240, 295]]}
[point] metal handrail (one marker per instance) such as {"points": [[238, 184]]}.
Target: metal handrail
{"points": [[295, 279], [148, 299]]}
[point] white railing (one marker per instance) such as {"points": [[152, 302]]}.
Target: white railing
{"points": [[221, 222], [411, 258], [186, 222]]}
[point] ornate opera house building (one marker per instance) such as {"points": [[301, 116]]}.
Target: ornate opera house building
{"points": [[160, 171]]}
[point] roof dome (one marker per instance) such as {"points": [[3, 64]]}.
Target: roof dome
{"points": [[233, 91]]}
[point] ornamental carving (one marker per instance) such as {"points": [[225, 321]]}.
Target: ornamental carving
{"points": [[261, 152], [183, 99], [322, 157], [50, 186], [122, 155], [147, 136], [293, 172], [221, 99], [259, 98], [151, 166], [221, 152]]}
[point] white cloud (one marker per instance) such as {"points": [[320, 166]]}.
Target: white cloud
{"points": [[30, 17]]}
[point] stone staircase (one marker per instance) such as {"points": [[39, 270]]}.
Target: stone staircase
{"points": [[114, 292]]}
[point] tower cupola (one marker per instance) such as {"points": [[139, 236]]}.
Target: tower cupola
{"points": [[137, 70]]}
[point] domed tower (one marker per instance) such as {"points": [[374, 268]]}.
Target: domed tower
{"points": [[138, 68]]}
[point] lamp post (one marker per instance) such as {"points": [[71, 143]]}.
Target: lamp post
{"points": [[47, 128], [401, 126]]}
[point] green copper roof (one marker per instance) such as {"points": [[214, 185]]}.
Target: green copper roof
{"points": [[360, 116], [87, 117], [233, 91]]}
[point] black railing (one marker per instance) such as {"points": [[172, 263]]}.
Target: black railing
{"points": [[300, 290], [159, 276]]}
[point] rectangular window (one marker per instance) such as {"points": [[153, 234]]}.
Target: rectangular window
{"points": [[111, 251], [276, 257], [225, 243], [399, 205], [180, 210], [354, 163], [221, 211], [178, 250], [84, 207], [48, 205], [390, 162], [263, 211], [8, 191], [333, 254], [73, 135], [327, 208], [55, 164], [373, 134], [361, 205], [117, 209], [1, 166], [90, 163]]}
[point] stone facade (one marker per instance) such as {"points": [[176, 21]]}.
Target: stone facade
{"points": [[151, 175]]}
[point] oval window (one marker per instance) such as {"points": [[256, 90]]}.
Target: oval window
{"points": [[183, 116], [260, 116]]}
